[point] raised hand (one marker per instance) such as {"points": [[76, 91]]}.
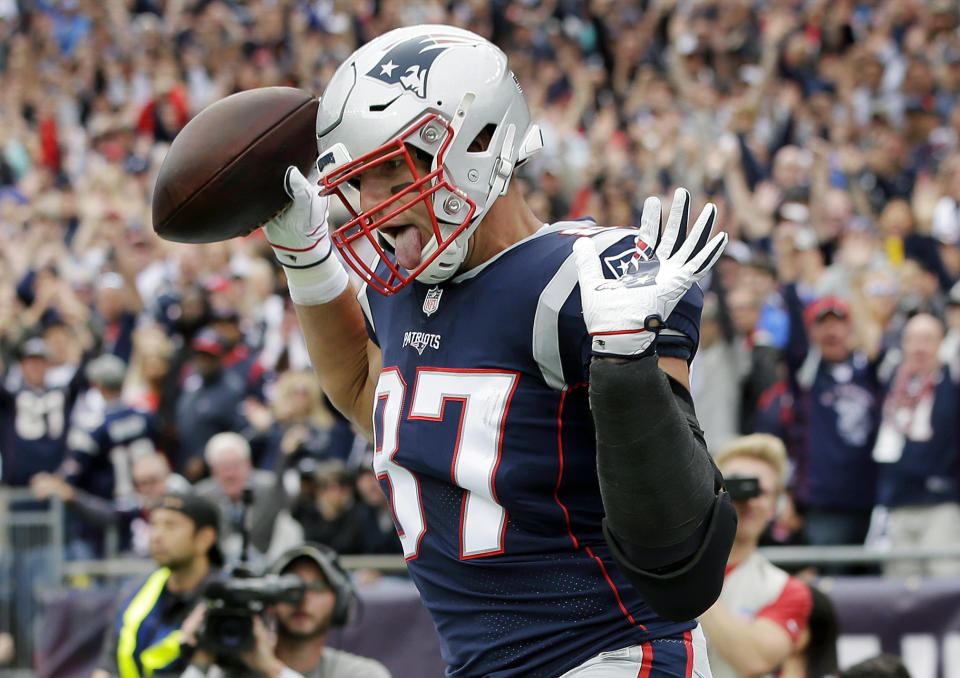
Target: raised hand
{"points": [[624, 315], [300, 238]]}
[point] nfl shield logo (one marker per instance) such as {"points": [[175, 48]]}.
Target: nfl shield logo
{"points": [[432, 301]]}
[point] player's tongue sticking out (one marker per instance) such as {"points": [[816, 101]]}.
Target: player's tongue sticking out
{"points": [[408, 247]]}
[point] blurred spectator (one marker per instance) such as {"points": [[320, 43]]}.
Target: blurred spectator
{"points": [[332, 515], [832, 423], [757, 623], [238, 357], [149, 368], [945, 224], [757, 313], [64, 349], [100, 458], [916, 449], [100, 453], [34, 416], [266, 310], [715, 376], [298, 425], [949, 353], [210, 403], [816, 655], [270, 527], [130, 514], [379, 530], [117, 305]]}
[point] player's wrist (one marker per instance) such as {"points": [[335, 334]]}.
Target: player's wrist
{"points": [[631, 343], [319, 283], [628, 344]]}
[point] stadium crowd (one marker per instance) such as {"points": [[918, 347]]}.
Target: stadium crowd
{"points": [[826, 132]]}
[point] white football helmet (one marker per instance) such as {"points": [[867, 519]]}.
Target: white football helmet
{"points": [[433, 89]]}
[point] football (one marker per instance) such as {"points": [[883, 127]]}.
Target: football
{"points": [[223, 174]]}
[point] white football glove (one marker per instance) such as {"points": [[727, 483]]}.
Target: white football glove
{"points": [[624, 315], [300, 239]]}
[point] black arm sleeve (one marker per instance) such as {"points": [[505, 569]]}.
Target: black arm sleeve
{"points": [[668, 523]]}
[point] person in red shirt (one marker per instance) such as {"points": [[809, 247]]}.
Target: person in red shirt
{"points": [[762, 611]]}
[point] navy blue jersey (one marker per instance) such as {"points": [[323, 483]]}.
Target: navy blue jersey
{"points": [[100, 458], [485, 446], [837, 413], [33, 426]]}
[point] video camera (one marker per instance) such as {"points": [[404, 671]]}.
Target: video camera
{"points": [[233, 603], [742, 488]]}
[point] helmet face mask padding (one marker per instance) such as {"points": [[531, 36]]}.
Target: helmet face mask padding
{"points": [[434, 90]]}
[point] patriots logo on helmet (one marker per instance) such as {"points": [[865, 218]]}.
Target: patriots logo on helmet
{"points": [[408, 63]]}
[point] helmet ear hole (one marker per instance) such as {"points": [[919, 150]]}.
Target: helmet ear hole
{"points": [[481, 142]]}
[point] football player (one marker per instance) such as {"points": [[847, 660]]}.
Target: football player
{"points": [[525, 384]]}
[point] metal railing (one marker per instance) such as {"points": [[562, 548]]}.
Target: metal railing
{"points": [[31, 560], [118, 568], [852, 555], [122, 568]]}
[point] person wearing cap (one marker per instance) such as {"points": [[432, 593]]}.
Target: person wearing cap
{"points": [[100, 457], [831, 423], [145, 636], [33, 416], [298, 649], [238, 356], [209, 403]]}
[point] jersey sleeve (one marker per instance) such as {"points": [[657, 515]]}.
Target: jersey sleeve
{"points": [[791, 610]]}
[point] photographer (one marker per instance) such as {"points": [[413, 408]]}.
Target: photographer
{"points": [[145, 636], [298, 647], [762, 611]]}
